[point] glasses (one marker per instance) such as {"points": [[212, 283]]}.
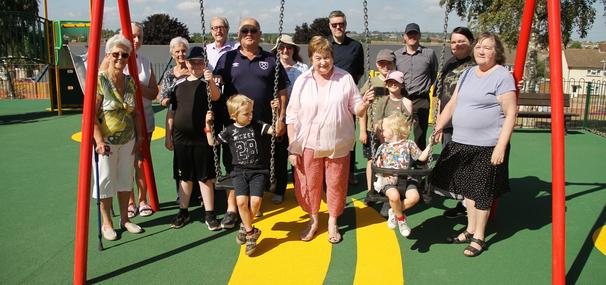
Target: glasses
{"points": [[249, 30], [216, 28], [281, 47], [120, 55], [335, 25]]}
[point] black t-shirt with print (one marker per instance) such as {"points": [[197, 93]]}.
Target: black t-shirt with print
{"points": [[247, 148], [190, 103]]}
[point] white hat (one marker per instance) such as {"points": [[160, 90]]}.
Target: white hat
{"points": [[286, 39]]}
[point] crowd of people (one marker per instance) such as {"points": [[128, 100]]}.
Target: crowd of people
{"points": [[234, 96]]}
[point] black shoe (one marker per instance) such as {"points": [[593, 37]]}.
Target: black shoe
{"points": [[212, 223], [180, 220], [371, 197], [229, 220], [458, 211]]}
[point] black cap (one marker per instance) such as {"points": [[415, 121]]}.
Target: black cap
{"points": [[196, 52], [412, 27]]}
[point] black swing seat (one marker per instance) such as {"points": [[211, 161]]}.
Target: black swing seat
{"points": [[421, 171], [224, 183]]}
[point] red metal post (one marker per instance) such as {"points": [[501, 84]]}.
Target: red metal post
{"points": [[88, 115], [558, 200], [148, 169], [522, 47]]}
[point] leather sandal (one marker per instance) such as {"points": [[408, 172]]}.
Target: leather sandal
{"points": [[475, 251], [455, 239]]}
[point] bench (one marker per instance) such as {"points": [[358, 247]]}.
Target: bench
{"points": [[543, 100]]}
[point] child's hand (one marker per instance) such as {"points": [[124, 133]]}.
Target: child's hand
{"points": [[275, 103], [210, 118], [208, 75]]}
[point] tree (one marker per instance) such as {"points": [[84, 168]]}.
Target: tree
{"points": [[159, 29], [304, 33]]}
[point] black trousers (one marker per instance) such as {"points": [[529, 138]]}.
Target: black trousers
{"points": [[420, 113]]}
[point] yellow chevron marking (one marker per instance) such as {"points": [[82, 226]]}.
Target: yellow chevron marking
{"points": [[378, 254], [281, 257], [599, 239]]}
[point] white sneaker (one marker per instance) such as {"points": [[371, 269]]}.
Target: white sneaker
{"points": [[132, 228], [404, 228], [108, 233], [391, 219]]}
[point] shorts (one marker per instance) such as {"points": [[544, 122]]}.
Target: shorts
{"points": [[250, 182], [115, 170], [402, 185], [193, 163]]}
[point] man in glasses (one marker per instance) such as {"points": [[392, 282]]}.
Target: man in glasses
{"points": [[219, 29], [348, 54], [420, 67], [249, 70]]}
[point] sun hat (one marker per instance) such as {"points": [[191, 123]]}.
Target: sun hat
{"points": [[286, 39]]}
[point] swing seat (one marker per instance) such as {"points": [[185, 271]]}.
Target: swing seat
{"points": [[421, 172]]}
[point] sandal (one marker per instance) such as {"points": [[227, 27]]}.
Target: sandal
{"points": [[132, 211], [145, 210], [309, 233], [475, 251], [334, 237], [455, 239]]}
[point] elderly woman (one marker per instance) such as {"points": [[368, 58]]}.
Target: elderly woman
{"points": [[288, 53], [461, 39], [320, 124], [475, 163], [114, 133], [178, 51]]}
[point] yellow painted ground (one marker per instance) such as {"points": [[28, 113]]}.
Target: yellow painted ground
{"points": [[599, 239], [157, 134], [372, 230], [281, 257]]}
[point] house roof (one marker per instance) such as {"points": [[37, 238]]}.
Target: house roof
{"points": [[584, 58]]}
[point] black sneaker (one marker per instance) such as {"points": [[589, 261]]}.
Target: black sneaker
{"points": [[212, 223], [180, 220], [458, 211], [229, 220], [371, 197]]}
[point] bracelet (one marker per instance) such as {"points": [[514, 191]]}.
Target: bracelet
{"points": [[207, 130]]}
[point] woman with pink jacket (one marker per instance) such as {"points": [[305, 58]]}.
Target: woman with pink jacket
{"points": [[321, 134]]}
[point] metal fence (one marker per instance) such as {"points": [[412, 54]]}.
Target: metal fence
{"points": [[587, 102]]}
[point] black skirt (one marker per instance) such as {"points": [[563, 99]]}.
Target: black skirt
{"points": [[465, 170]]}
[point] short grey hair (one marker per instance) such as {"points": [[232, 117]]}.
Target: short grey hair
{"points": [[177, 41], [337, 13], [223, 19], [118, 40]]}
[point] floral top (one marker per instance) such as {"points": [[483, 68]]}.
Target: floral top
{"points": [[116, 111], [168, 83], [397, 155], [294, 72]]}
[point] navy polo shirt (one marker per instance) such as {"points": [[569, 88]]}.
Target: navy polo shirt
{"points": [[253, 78], [349, 55]]}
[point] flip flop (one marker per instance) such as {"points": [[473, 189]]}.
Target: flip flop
{"points": [[308, 234], [145, 210], [132, 211]]}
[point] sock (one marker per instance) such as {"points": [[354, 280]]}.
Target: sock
{"points": [[183, 211], [401, 218]]}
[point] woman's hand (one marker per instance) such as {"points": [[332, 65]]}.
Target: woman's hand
{"points": [[102, 149], [168, 143], [498, 155], [363, 137], [369, 96], [294, 160]]}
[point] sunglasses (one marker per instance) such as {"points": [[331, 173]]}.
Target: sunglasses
{"points": [[249, 30], [285, 47], [335, 25], [119, 55]]}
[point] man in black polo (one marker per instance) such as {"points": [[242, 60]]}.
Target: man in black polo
{"points": [[249, 70], [420, 66], [348, 54]]}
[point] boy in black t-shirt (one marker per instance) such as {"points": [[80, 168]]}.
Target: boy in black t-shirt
{"points": [[192, 156], [250, 168]]}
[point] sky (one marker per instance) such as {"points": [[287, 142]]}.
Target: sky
{"points": [[384, 15]]}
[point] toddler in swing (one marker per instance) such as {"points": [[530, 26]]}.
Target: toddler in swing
{"points": [[250, 174], [398, 152]]}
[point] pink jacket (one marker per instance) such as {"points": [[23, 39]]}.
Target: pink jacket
{"points": [[336, 133]]}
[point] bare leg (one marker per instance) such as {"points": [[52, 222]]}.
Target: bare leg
{"points": [[245, 212], [255, 204], [394, 201], [106, 204], [123, 202], [185, 194], [333, 230], [481, 219], [231, 201], [208, 195], [369, 175], [312, 227], [412, 197]]}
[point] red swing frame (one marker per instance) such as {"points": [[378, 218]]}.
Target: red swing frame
{"points": [[557, 127]]}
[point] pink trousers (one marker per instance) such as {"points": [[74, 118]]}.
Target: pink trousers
{"points": [[309, 182]]}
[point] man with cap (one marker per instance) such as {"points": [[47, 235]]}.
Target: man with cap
{"points": [[420, 66], [348, 54], [386, 62], [193, 157]]}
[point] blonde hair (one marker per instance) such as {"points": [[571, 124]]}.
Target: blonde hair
{"points": [[398, 124], [236, 103], [320, 45]]}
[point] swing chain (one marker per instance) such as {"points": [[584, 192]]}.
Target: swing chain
{"points": [[208, 95], [438, 88], [274, 111], [368, 70]]}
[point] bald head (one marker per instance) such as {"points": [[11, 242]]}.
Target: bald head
{"points": [[250, 21]]}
